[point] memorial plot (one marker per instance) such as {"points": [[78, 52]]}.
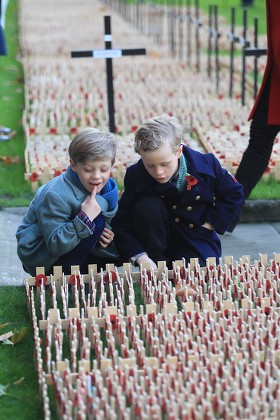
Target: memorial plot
{"points": [[115, 343]]}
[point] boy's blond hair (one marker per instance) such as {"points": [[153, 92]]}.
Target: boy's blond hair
{"points": [[157, 131], [92, 144]]}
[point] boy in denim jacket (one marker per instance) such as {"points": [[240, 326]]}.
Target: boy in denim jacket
{"points": [[69, 216]]}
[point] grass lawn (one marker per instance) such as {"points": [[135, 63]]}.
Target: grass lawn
{"points": [[14, 191], [17, 368], [224, 6]]}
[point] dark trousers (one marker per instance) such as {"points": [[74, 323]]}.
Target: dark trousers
{"points": [[156, 230], [256, 157], [81, 254]]}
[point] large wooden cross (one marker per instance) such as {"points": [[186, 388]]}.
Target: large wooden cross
{"points": [[109, 54]]}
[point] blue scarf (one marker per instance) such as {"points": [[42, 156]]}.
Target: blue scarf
{"points": [[181, 181], [111, 193]]}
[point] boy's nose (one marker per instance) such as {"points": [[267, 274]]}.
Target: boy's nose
{"points": [[158, 171], [96, 175]]}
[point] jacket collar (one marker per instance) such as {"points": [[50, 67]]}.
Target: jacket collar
{"points": [[197, 166], [79, 190]]}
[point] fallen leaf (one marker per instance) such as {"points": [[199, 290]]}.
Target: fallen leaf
{"points": [[7, 323], [19, 335], [3, 389], [10, 159], [19, 381]]}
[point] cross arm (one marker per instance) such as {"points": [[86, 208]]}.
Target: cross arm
{"points": [[108, 53]]}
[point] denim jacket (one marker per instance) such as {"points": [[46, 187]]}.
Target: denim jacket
{"points": [[51, 227]]}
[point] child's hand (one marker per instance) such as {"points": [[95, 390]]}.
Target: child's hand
{"points": [[144, 259], [185, 291], [90, 206], [106, 237], [208, 226]]}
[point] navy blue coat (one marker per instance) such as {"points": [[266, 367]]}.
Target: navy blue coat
{"points": [[215, 199]]}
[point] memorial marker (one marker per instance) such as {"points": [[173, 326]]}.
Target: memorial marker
{"points": [[109, 53]]}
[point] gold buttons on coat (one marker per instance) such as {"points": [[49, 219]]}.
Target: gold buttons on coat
{"points": [[189, 208], [190, 225], [197, 197], [177, 219], [174, 207]]}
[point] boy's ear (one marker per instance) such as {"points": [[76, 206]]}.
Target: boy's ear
{"points": [[180, 151], [73, 166]]}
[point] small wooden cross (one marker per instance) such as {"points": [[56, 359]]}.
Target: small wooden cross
{"points": [[109, 54]]}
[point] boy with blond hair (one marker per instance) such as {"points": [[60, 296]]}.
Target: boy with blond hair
{"points": [[175, 201]]}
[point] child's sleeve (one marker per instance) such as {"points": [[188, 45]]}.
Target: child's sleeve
{"points": [[61, 232]]}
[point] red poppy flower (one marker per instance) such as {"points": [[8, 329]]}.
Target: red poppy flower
{"points": [[73, 130], [31, 131], [151, 318], [266, 310], [114, 321], [34, 177], [53, 130], [191, 181], [40, 280], [56, 173], [113, 277], [74, 278]]}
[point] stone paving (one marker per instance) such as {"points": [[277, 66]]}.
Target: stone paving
{"points": [[247, 239], [11, 271]]}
